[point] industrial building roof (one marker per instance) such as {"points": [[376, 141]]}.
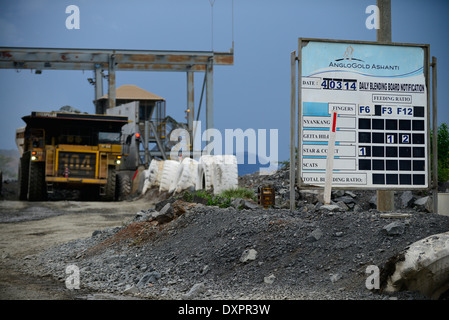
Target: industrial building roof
{"points": [[133, 92]]}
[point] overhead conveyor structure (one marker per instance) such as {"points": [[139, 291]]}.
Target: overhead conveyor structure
{"points": [[40, 59], [110, 60]]}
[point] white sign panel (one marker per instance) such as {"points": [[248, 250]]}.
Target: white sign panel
{"points": [[379, 93]]}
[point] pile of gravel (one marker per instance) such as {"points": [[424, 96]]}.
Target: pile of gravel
{"points": [[203, 252]]}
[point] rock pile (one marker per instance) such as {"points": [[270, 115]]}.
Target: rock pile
{"points": [[346, 200], [179, 250], [188, 250]]}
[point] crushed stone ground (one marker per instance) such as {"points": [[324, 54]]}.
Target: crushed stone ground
{"points": [[308, 254]]}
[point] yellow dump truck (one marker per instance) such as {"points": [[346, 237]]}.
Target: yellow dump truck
{"points": [[69, 151]]}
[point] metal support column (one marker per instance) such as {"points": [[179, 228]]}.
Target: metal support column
{"points": [[158, 141], [209, 103], [190, 105], [385, 198], [111, 80], [299, 120], [146, 142], [292, 129], [98, 82], [384, 32], [98, 87], [435, 135]]}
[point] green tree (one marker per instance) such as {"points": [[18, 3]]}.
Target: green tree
{"points": [[443, 152]]}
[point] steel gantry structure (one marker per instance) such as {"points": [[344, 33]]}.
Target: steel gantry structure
{"points": [[123, 60]]}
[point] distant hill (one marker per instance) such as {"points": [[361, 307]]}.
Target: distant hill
{"points": [[247, 168], [9, 163]]}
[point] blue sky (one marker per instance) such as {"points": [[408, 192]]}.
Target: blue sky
{"points": [[253, 93]]}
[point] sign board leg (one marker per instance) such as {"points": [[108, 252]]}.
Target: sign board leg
{"points": [[385, 200], [292, 130], [435, 136], [330, 159]]}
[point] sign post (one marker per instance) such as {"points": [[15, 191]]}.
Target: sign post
{"points": [[292, 129], [435, 135], [385, 198]]}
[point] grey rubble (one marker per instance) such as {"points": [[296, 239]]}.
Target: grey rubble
{"points": [[305, 254], [201, 252]]}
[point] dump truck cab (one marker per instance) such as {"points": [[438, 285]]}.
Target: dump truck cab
{"points": [[69, 151]]}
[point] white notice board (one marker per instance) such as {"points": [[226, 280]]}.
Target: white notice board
{"points": [[380, 93]]}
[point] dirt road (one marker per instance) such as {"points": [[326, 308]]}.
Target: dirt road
{"points": [[27, 228]]}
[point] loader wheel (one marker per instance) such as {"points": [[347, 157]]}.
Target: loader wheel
{"points": [[36, 182], [123, 186], [109, 194], [24, 167]]}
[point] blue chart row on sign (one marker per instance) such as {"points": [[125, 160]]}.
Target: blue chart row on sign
{"points": [[320, 109], [322, 135], [320, 164], [325, 122], [321, 150]]}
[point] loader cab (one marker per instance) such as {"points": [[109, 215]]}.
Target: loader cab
{"points": [[36, 138]]}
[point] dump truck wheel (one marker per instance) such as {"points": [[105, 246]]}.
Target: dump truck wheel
{"points": [[23, 177], [123, 186], [36, 182], [110, 185]]}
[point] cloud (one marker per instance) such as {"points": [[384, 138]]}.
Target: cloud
{"points": [[9, 33], [29, 8], [105, 24]]}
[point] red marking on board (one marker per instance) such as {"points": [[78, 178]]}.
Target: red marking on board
{"points": [[6, 54], [334, 122]]}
